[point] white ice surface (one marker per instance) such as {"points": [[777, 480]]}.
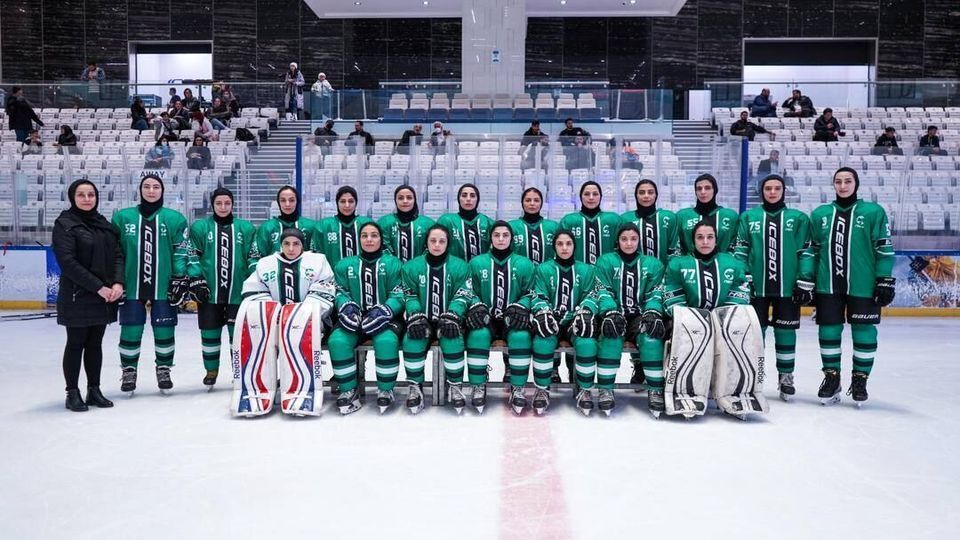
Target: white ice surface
{"points": [[180, 467]]}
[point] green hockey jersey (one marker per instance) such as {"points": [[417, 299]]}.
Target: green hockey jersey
{"points": [[850, 248], [336, 239], [771, 245], [635, 286], [690, 282], [565, 289], [154, 251], [498, 283], [224, 255], [431, 290], [659, 233], [268, 234], [724, 219], [594, 236], [534, 240], [369, 283], [405, 240], [467, 238]]}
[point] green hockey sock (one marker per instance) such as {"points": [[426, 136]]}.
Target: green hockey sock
{"points": [[164, 344], [210, 348], [829, 335], [864, 346], [130, 338], [785, 344]]}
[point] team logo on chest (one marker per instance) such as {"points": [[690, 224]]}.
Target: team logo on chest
{"points": [[592, 243], [224, 261], [501, 287], [565, 290], [629, 282], [288, 284], [404, 242], [773, 252], [368, 281], [650, 236], [435, 293], [348, 240], [708, 285], [148, 258], [535, 243]]}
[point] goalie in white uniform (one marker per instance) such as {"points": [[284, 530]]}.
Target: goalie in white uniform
{"points": [[717, 345], [278, 329]]}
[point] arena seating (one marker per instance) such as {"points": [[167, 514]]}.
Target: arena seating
{"points": [[418, 107]]}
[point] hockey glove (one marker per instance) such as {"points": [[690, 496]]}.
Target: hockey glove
{"points": [[545, 323], [178, 291], [448, 326], [885, 291], [651, 324], [418, 327], [613, 325], [583, 324], [376, 319], [803, 293], [517, 317], [349, 317], [200, 290], [478, 316]]}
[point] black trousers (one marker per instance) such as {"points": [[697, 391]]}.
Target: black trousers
{"points": [[84, 346]]}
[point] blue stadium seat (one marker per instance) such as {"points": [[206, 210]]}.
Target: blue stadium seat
{"points": [[568, 113], [393, 114], [459, 114], [416, 115], [590, 113], [437, 114], [523, 113], [546, 114], [482, 114], [503, 114]]}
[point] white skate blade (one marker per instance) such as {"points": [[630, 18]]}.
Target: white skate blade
{"points": [[586, 412], [383, 408], [351, 408], [656, 414], [210, 387], [480, 409], [785, 397], [416, 409], [164, 392], [607, 412], [517, 410], [832, 400]]}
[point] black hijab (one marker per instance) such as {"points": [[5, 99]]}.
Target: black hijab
{"points": [[532, 218], [341, 192], [644, 211], [293, 216], [587, 211], [371, 256], [501, 254], [704, 209], [628, 257], [780, 204], [147, 209], [220, 191], [406, 217], [468, 215], [846, 202], [437, 260]]}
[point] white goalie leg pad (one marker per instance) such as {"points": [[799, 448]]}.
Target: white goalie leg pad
{"points": [[738, 370], [689, 363], [253, 358], [301, 380]]}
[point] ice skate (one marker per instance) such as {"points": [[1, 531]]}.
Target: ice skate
{"points": [[415, 397], [163, 379], [128, 380], [384, 400], [479, 398], [830, 389], [541, 401], [787, 390], [455, 396], [656, 403], [517, 400], [585, 401], [210, 379], [606, 401], [349, 402], [637, 378], [858, 388]]}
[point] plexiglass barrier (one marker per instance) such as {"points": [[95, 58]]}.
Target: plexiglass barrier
{"points": [[929, 93]]}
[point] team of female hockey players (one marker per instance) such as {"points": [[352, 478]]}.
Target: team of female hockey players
{"points": [[588, 284]]}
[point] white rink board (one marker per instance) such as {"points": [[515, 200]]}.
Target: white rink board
{"points": [[180, 467]]}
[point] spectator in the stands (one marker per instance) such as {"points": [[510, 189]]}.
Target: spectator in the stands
{"points": [[745, 128], [66, 141], [219, 114], [579, 154], [20, 114], [325, 136], [230, 99], [93, 76], [160, 156], [887, 143], [180, 115], [569, 133], [441, 139], [799, 105], [360, 137], [324, 90], [33, 144], [763, 105], [139, 118], [930, 143], [827, 128], [531, 137], [173, 97], [410, 137], [164, 126], [630, 158], [190, 102], [202, 127], [771, 165], [293, 92], [198, 155]]}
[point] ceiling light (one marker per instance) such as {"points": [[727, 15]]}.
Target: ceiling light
{"points": [[357, 3], [563, 2], [633, 2], [426, 2]]}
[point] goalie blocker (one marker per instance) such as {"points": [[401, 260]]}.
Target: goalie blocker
{"points": [[271, 339], [715, 354]]}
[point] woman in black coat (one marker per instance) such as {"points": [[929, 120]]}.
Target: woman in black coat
{"points": [[87, 248]]}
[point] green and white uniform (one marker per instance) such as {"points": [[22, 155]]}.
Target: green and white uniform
{"points": [[659, 233], [223, 254], [291, 281], [432, 290], [498, 283], [368, 282], [720, 280], [337, 239], [154, 251], [594, 236], [406, 240], [268, 234], [723, 219], [534, 240], [634, 287], [468, 237]]}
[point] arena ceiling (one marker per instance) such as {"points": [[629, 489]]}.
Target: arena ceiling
{"points": [[355, 9]]}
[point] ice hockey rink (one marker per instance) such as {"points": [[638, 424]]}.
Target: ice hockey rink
{"points": [[179, 466]]}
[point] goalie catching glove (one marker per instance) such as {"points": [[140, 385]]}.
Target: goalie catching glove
{"points": [[376, 319]]}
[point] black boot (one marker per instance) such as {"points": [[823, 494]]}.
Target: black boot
{"points": [[74, 401], [95, 398]]}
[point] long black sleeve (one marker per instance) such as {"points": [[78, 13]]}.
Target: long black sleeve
{"points": [[64, 247]]}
